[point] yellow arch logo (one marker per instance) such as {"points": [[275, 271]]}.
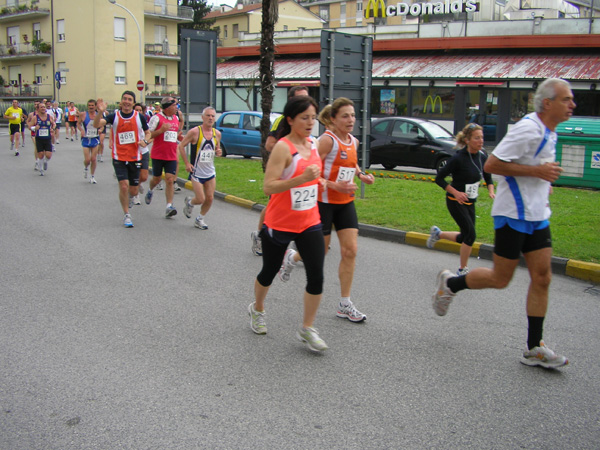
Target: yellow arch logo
{"points": [[375, 6], [433, 103]]}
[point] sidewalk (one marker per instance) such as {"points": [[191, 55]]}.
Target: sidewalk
{"points": [[560, 266]]}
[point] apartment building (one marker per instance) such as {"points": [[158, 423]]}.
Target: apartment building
{"points": [[77, 50]]}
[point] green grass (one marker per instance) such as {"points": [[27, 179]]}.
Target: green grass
{"points": [[415, 205]]}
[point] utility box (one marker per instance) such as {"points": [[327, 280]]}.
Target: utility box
{"points": [[578, 151]]}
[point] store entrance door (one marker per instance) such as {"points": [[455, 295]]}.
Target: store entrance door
{"points": [[482, 108]]}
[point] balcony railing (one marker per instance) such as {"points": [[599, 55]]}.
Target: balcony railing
{"points": [[161, 90], [27, 90], [162, 50], [169, 11], [25, 49], [18, 9]]}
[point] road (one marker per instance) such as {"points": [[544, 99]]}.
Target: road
{"points": [[139, 338]]}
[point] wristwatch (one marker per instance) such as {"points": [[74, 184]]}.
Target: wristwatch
{"points": [[145, 141]]}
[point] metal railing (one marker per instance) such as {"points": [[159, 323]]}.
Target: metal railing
{"points": [[27, 90], [25, 49], [168, 10], [161, 90], [164, 49]]}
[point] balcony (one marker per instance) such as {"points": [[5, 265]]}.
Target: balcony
{"points": [[158, 91], [21, 11], [162, 10], [25, 50], [162, 51], [27, 91]]}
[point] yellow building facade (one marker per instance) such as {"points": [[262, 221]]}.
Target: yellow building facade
{"points": [[93, 45], [247, 19]]}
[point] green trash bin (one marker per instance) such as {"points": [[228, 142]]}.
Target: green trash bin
{"points": [[578, 151]]}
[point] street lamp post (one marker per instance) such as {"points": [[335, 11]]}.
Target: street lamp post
{"points": [[114, 2]]}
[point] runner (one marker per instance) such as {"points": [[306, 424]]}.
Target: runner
{"points": [[295, 91], [101, 137], [14, 114], [58, 115], [526, 162], [292, 178], [72, 115], [338, 150], [89, 139], [24, 125], [130, 132], [205, 146], [43, 125], [164, 127], [145, 164]]}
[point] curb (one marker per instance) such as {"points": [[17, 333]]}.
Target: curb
{"points": [[582, 270]]}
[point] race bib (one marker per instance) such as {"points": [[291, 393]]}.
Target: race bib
{"points": [[16, 115], [207, 156], [91, 133], [304, 198], [472, 190], [43, 132], [346, 174], [127, 137], [171, 136]]}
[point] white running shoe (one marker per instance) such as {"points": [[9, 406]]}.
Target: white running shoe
{"points": [[199, 223], [434, 236], [310, 336], [256, 243], [287, 265], [85, 173], [350, 312], [543, 356], [136, 200], [127, 223], [463, 271], [93, 180], [257, 320], [188, 207], [443, 296]]}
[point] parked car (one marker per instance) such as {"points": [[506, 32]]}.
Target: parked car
{"points": [[240, 132], [410, 141]]}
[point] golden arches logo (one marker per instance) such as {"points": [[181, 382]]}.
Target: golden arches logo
{"points": [[375, 5], [433, 103]]}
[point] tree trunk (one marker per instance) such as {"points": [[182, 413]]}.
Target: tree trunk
{"points": [[267, 75]]}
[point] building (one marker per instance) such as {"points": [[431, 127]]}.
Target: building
{"points": [[93, 45], [449, 61], [233, 23]]}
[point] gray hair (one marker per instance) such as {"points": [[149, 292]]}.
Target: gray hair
{"points": [[208, 108], [547, 90]]}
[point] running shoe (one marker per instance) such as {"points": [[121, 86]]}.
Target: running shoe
{"points": [[130, 201], [350, 312], [257, 320], [36, 166], [176, 187], [16, 152], [159, 186], [136, 200], [141, 188], [443, 296], [199, 223], [127, 223], [256, 243], [85, 173], [170, 211], [311, 338], [93, 181], [41, 173], [434, 236], [101, 159], [12, 146], [45, 164], [187, 209], [71, 139], [463, 271], [148, 197], [543, 356], [287, 265]]}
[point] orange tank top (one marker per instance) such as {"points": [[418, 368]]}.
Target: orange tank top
{"points": [[339, 165], [296, 209]]}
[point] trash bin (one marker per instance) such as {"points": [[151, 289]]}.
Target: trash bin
{"points": [[578, 151]]}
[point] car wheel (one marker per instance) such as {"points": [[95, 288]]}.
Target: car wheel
{"points": [[223, 151], [388, 166], [441, 163], [247, 156]]}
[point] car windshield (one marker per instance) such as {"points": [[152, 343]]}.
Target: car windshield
{"points": [[436, 131]]}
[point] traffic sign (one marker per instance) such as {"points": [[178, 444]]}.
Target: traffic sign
{"points": [[58, 84], [57, 76], [140, 85]]}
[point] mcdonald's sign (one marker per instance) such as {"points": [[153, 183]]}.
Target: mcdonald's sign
{"points": [[433, 103], [375, 6]]}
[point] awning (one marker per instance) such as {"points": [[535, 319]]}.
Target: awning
{"points": [[459, 67]]}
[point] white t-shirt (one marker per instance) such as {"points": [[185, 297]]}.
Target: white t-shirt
{"points": [[529, 143]]}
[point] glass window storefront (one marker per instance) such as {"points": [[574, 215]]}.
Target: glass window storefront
{"points": [[389, 101], [433, 103], [521, 103]]}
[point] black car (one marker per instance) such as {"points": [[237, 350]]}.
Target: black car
{"points": [[407, 141]]}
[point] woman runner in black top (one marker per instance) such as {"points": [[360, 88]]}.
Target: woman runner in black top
{"points": [[466, 168]]}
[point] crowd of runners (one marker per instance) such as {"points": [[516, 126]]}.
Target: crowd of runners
{"points": [[311, 185]]}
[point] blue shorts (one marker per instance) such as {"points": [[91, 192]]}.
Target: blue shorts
{"points": [[201, 180], [90, 142]]}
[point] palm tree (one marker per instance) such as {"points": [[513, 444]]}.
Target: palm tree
{"points": [[270, 15]]}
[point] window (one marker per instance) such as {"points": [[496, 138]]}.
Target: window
{"points": [[343, 14], [160, 34], [37, 71], [521, 103], [119, 27], [285, 28], [433, 103], [251, 122], [231, 121], [14, 75], [235, 31], [324, 12], [225, 31], [63, 77], [37, 31], [60, 30], [160, 75], [389, 101], [12, 35], [120, 72]]}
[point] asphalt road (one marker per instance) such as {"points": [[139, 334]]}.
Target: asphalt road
{"points": [[115, 338]]}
